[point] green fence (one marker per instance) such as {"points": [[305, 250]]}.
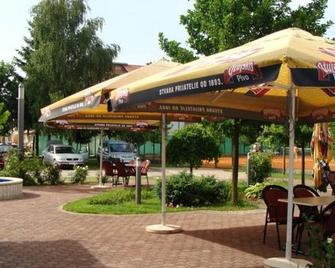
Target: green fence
{"points": [[148, 150]]}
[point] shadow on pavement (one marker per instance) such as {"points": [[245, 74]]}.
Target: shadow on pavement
{"points": [[248, 239], [59, 253]]}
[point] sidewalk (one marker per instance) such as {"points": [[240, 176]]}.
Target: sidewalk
{"points": [[35, 232], [155, 172]]}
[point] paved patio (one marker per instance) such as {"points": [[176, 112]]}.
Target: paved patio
{"points": [[35, 232]]}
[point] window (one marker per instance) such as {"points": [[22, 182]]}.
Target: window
{"points": [[64, 150]]}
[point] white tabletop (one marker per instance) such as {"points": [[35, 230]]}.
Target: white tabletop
{"points": [[311, 201]]}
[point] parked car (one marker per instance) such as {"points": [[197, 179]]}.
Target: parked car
{"points": [[116, 150], [4, 149], [62, 156]]}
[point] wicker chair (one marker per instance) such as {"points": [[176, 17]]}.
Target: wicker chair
{"points": [[276, 211], [328, 220], [144, 169]]}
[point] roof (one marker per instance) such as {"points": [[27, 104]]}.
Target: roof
{"points": [[121, 68]]}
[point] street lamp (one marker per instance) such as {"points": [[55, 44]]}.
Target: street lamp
{"points": [[20, 119]]}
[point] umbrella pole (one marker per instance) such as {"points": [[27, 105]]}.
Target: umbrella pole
{"points": [[101, 151], [163, 169], [288, 249], [163, 228]]}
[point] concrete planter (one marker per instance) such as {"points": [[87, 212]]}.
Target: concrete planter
{"points": [[10, 188]]}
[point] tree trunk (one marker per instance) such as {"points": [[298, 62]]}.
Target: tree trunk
{"points": [[235, 161], [37, 140], [303, 163], [191, 169], [284, 161]]}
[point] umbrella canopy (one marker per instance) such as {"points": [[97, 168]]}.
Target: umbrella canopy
{"points": [[94, 99], [321, 144], [88, 108], [283, 77], [251, 81]]}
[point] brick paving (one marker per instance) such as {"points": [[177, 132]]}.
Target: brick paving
{"points": [[35, 232]]}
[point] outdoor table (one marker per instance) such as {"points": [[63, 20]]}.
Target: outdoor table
{"points": [[311, 201]]}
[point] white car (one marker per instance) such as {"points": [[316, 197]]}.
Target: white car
{"points": [[62, 156], [115, 150]]}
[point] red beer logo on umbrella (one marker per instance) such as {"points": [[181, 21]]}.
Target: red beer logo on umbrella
{"points": [[258, 90], [328, 50], [122, 96], [326, 69], [330, 91], [242, 72]]}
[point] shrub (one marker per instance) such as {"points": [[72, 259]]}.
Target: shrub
{"points": [[255, 191], [321, 250], [80, 174], [31, 170], [260, 166], [51, 174], [187, 190], [26, 169]]}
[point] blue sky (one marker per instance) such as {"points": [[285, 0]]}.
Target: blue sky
{"points": [[132, 24]]}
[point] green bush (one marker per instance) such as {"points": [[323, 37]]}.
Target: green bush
{"points": [[51, 174], [26, 169], [187, 190], [321, 250], [260, 166], [255, 191], [80, 174], [31, 170]]}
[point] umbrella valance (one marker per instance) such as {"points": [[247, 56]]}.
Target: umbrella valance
{"points": [[250, 81], [104, 125]]}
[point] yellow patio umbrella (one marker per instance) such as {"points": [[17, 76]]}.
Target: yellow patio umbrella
{"points": [[88, 109], [92, 101], [90, 105], [283, 77], [321, 145]]}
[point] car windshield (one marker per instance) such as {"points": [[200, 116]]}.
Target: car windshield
{"points": [[121, 147], [5, 148], [64, 150]]}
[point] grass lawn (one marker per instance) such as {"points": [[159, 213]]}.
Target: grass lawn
{"points": [[120, 202]]}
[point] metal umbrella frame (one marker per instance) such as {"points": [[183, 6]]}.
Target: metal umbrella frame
{"points": [[283, 77]]}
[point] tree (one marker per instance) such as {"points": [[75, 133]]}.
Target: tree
{"points": [[217, 25], [63, 53], [9, 83], [3, 115], [191, 145], [276, 136]]}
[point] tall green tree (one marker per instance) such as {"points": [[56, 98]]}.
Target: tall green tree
{"points": [[217, 25], [9, 83], [3, 115], [192, 144], [276, 136], [63, 53]]}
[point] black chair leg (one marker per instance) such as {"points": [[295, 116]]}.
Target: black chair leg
{"points": [[278, 236], [300, 231], [265, 229]]}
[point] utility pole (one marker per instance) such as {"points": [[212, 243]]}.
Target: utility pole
{"points": [[20, 120]]}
